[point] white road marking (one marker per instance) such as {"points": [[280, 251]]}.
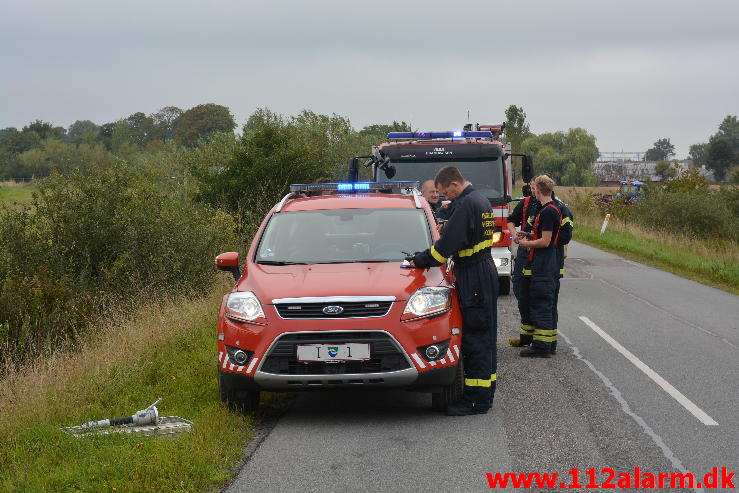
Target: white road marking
{"points": [[656, 378]]}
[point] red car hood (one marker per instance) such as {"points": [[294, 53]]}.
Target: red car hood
{"points": [[270, 282]]}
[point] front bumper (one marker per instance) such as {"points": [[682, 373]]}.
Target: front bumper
{"points": [[432, 380], [502, 258], [396, 360]]}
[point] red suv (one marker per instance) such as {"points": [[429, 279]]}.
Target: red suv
{"points": [[323, 300]]}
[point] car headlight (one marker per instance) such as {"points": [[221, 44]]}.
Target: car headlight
{"points": [[244, 305], [496, 236], [428, 301]]}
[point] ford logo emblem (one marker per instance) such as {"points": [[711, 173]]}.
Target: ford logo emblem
{"points": [[332, 310]]}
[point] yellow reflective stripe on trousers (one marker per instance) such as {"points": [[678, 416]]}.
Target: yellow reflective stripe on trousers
{"points": [[527, 272], [561, 272], [439, 257], [545, 335], [526, 329], [478, 382], [468, 252]]}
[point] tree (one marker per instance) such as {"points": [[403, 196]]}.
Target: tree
{"points": [[7, 132], [566, 157], [201, 121], [697, 154], [661, 151], [83, 131], [665, 170], [516, 131], [251, 176], [720, 158], [728, 130], [45, 130], [380, 130], [164, 120], [516, 127]]}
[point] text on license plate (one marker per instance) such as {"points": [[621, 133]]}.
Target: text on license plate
{"points": [[334, 352]]}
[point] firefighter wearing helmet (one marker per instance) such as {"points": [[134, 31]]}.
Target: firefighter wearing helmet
{"points": [[467, 238]]}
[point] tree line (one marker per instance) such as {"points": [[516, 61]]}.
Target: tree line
{"points": [[719, 155], [40, 147]]}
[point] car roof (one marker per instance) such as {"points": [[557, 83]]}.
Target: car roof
{"points": [[358, 201]]}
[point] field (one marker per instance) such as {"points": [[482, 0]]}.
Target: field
{"points": [[13, 192], [708, 260]]}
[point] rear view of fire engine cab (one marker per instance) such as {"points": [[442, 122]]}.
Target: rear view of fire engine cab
{"points": [[481, 157]]}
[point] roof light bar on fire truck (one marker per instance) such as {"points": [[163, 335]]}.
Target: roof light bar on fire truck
{"points": [[455, 134]]}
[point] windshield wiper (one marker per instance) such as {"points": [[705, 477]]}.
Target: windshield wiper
{"points": [[279, 262]]}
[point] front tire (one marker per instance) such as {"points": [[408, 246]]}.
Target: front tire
{"points": [[244, 401], [451, 393]]}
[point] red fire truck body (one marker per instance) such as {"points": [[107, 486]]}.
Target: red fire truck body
{"points": [[481, 157]]}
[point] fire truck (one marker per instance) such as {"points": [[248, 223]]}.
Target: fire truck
{"points": [[479, 153]]}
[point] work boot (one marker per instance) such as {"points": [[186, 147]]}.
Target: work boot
{"points": [[522, 341], [535, 352], [553, 347], [464, 407]]}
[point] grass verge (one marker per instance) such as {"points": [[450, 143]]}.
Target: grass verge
{"points": [[712, 263], [168, 351]]}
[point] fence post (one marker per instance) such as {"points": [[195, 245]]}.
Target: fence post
{"points": [[605, 224]]}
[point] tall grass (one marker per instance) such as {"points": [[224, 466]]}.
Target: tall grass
{"points": [[162, 350], [688, 231]]}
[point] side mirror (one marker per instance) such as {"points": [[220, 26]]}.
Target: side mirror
{"points": [[229, 261], [389, 170], [527, 168]]}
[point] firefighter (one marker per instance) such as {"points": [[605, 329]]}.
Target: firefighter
{"points": [[543, 267], [566, 228], [467, 238], [523, 216]]}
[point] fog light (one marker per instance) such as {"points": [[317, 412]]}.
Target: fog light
{"points": [[432, 352], [240, 357]]}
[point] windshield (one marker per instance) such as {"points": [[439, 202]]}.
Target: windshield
{"points": [[486, 175], [343, 235], [629, 189]]}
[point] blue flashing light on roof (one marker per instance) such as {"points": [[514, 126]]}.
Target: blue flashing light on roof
{"points": [[349, 187], [457, 134]]}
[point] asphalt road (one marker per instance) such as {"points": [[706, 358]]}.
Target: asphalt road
{"points": [[646, 375]]}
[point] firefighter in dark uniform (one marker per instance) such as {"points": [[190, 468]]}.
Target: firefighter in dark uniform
{"points": [[543, 268], [566, 228], [523, 217], [467, 238]]}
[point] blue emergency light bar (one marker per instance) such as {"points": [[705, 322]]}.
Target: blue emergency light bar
{"points": [[353, 187], [456, 134]]}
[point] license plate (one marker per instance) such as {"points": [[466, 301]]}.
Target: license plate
{"points": [[333, 352]]}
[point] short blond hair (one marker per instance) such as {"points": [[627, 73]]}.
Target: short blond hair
{"points": [[544, 184]]}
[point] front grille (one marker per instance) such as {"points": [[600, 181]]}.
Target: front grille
{"points": [[384, 353], [352, 309]]}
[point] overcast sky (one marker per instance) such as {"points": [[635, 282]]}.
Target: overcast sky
{"points": [[629, 72]]}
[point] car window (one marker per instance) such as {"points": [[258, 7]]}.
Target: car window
{"points": [[343, 235]]}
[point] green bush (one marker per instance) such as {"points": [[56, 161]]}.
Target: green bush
{"points": [[98, 240]]}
